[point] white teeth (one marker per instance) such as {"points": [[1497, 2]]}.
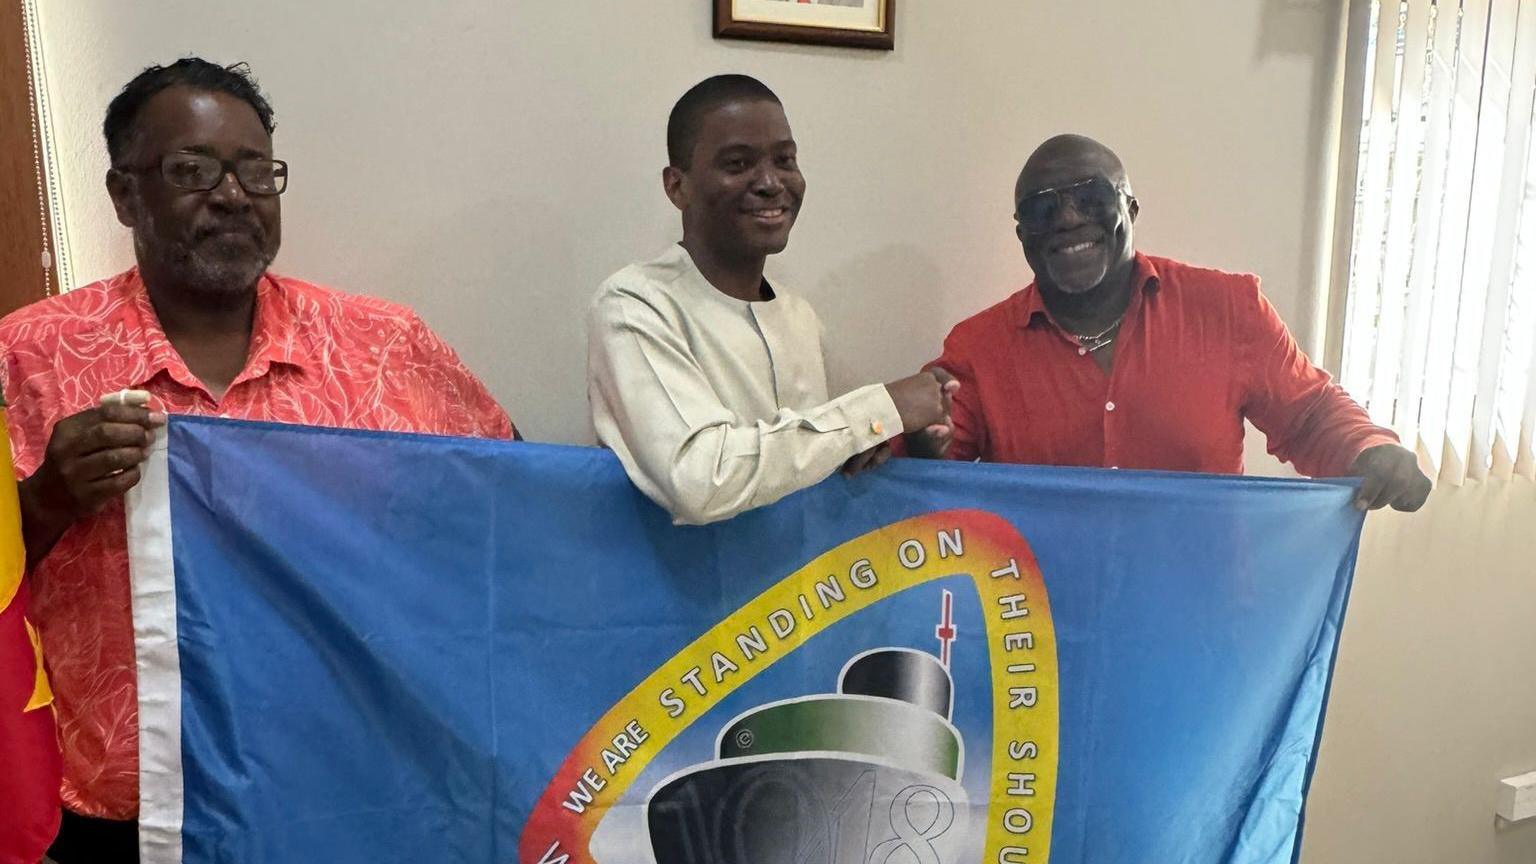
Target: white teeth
{"points": [[1079, 247]]}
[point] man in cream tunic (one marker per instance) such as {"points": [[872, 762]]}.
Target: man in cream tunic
{"points": [[708, 383]]}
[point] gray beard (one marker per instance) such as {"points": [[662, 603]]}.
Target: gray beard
{"points": [[194, 269], [1070, 287]]}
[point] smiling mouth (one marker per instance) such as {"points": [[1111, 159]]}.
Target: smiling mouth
{"points": [[226, 233], [1079, 248], [770, 214]]}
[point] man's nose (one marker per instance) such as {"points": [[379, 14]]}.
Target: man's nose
{"points": [[767, 182], [1068, 215], [229, 194]]}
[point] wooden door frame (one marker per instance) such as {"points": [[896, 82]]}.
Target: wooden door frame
{"points": [[26, 226]]}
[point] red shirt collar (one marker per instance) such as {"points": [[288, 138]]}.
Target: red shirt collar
{"points": [[1030, 305], [276, 336]]}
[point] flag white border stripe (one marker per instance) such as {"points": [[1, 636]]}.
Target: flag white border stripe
{"points": [[152, 571]]}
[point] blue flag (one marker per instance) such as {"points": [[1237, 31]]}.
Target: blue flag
{"points": [[368, 647]]}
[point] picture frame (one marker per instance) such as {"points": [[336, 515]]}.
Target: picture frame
{"points": [[844, 23]]}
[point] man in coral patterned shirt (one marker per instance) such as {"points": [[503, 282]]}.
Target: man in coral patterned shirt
{"points": [[203, 328]]}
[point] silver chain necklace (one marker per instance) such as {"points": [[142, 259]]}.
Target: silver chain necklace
{"points": [[1101, 339]]}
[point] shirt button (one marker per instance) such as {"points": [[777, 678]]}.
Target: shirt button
{"points": [[876, 427], [1082, 351], [1109, 406]]}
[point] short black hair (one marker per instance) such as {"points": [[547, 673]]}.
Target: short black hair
{"points": [[195, 72], [702, 98]]}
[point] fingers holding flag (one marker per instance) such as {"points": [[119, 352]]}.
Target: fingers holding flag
{"points": [[92, 458]]}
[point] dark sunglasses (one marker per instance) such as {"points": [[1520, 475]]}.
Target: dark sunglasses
{"points": [[1094, 198]]}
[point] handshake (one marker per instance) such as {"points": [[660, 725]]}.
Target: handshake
{"points": [[923, 401]]}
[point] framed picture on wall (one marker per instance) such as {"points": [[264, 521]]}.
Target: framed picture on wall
{"points": [[851, 23]]}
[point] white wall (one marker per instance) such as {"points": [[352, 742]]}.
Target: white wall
{"points": [[490, 161]]}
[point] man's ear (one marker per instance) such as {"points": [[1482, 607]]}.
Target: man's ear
{"points": [[123, 188], [1134, 207], [673, 181]]}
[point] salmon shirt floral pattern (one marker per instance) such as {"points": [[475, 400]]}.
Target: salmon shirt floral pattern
{"points": [[317, 356]]}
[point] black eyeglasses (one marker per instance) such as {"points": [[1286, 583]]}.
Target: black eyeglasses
{"points": [[1095, 198], [198, 172]]}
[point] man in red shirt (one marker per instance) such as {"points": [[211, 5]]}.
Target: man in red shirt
{"points": [[1116, 359], [204, 328]]}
